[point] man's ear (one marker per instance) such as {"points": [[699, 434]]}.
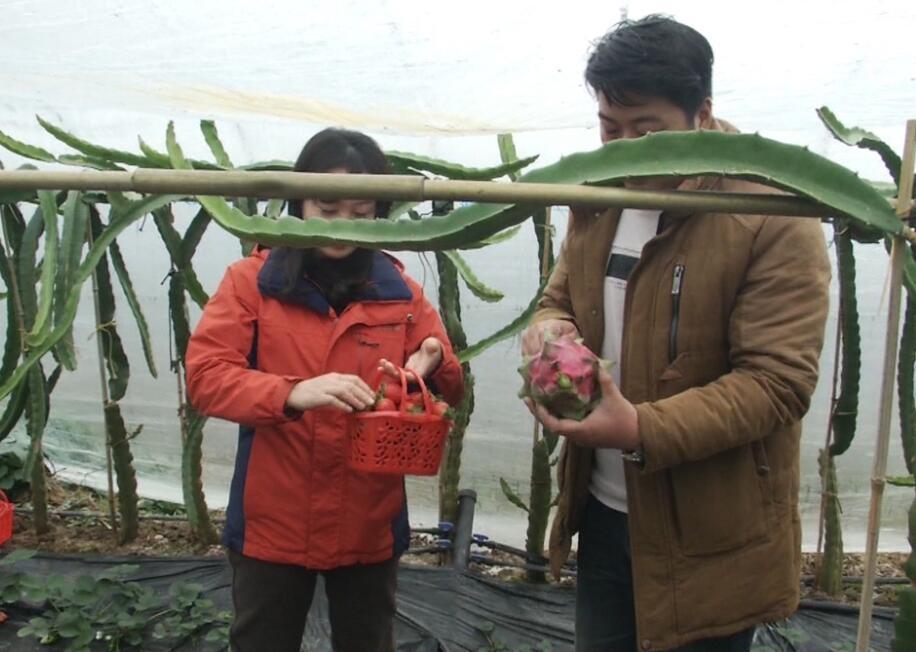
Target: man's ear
{"points": [[703, 118]]}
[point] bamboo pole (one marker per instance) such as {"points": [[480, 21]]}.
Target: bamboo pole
{"points": [[277, 184], [287, 185], [898, 253]]}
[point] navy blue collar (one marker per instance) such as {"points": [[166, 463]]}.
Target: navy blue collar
{"points": [[385, 283]]}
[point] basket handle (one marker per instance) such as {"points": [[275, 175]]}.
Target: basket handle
{"points": [[402, 374], [424, 392]]}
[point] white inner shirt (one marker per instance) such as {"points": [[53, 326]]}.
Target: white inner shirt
{"points": [[635, 229]]}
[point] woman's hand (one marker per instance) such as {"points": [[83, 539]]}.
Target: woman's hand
{"points": [[342, 391], [421, 363]]}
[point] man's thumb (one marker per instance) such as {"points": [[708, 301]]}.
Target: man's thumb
{"points": [[608, 386]]}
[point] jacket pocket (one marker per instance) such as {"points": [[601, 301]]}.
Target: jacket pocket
{"points": [[691, 369], [718, 503], [376, 342]]}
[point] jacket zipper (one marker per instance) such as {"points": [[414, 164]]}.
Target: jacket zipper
{"points": [[676, 287]]}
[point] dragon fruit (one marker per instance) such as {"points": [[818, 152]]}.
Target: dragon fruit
{"points": [[563, 377]]}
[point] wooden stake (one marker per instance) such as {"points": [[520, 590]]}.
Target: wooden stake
{"points": [[898, 254]]}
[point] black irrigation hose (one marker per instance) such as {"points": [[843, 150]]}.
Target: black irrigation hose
{"points": [[100, 515], [887, 613], [858, 579]]}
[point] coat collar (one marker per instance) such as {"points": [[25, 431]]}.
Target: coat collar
{"points": [[386, 283]]}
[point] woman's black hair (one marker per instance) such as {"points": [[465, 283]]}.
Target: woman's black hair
{"points": [[341, 281], [333, 149], [655, 56]]}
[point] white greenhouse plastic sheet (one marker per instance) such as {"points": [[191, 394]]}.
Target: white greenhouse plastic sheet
{"points": [[438, 79]]}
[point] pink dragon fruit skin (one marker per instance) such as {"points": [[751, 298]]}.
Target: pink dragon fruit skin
{"points": [[563, 378]]}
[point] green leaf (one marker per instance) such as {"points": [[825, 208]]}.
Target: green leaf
{"points": [[13, 410], [857, 137], [125, 472], [511, 495], [405, 163], [42, 322], [208, 127], [474, 284], [36, 412], [123, 214], [20, 554], [902, 481], [682, 154], [274, 208], [93, 162], [502, 236], [161, 160], [402, 209], [514, 327], [846, 410], [25, 150], [12, 347], [73, 237], [127, 286], [182, 250], [25, 277], [260, 166], [884, 188], [116, 363], [189, 243], [95, 151]]}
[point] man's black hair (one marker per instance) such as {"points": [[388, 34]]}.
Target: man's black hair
{"points": [[655, 56]]}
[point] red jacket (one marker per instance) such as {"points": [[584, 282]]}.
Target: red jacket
{"points": [[293, 498]]}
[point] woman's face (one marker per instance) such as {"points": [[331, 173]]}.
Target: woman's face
{"points": [[349, 209]]}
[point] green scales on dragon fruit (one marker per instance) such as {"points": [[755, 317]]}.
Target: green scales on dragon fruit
{"points": [[563, 377]]}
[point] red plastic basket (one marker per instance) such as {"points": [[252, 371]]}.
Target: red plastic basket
{"points": [[397, 441], [6, 518]]}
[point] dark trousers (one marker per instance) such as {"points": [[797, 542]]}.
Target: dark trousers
{"points": [[605, 612], [272, 601]]}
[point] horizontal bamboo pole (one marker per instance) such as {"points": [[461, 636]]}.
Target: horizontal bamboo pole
{"points": [[287, 185]]}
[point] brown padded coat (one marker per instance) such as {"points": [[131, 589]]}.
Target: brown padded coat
{"points": [[721, 379]]}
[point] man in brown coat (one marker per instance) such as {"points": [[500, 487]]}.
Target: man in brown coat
{"points": [[683, 482]]}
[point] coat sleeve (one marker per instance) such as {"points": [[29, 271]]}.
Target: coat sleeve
{"points": [[448, 377], [220, 382], [776, 330]]}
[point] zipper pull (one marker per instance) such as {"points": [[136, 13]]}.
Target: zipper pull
{"points": [[678, 280]]}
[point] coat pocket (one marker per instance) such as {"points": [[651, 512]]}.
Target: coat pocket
{"points": [[719, 503], [376, 342]]}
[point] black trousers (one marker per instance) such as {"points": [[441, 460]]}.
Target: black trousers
{"points": [[272, 601], [605, 611]]}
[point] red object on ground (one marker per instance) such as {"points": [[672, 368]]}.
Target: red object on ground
{"points": [[6, 518]]}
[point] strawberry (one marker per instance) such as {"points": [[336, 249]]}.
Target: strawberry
{"points": [[441, 408], [385, 405], [391, 389]]}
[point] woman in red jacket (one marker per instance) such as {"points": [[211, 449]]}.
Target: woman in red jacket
{"points": [[285, 348]]}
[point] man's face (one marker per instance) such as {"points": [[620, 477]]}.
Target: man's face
{"points": [[646, 114]]}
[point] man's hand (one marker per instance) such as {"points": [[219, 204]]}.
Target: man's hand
{"points": [[342, 391], [533, 339], [612, 424], [421, 363]]}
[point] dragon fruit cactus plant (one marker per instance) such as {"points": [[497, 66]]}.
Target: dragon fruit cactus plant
{"points": [[563, 377]]}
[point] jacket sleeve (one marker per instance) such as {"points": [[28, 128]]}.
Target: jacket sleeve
{"points": [[555, 302], [448, 377], [776, 330], [220, 382]]}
